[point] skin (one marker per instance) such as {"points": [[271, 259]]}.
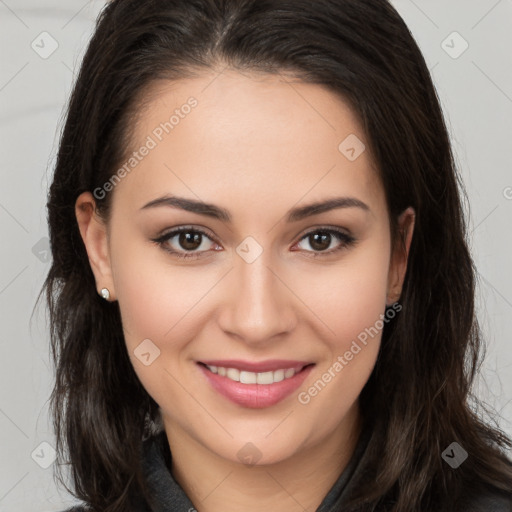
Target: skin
{"points": [[257, 146]]}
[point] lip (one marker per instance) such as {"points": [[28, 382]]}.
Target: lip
{"points": [[269, 365], [255, 396]]}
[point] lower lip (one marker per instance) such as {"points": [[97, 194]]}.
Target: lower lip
{"points": [[255, 396]]}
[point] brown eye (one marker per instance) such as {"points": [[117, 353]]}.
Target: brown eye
{"points": [[320, 240], [189, 240]]}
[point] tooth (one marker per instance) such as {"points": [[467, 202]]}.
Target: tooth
{"points": [[290, 372], [233, 374], [251, 377], [265, 378], [278, 375], [247, 377]]}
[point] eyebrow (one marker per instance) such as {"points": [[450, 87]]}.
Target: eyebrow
{"points": [[216, 212]]}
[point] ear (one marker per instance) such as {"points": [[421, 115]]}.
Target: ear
{"points": [[95, 237], [398, 263]]}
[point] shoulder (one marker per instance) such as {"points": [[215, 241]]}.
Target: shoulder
{"points": [[488, 501]]}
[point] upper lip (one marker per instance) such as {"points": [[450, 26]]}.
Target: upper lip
{"points": [[258, 367]]}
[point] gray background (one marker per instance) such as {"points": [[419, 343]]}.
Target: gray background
{"points": [[475, 88]]}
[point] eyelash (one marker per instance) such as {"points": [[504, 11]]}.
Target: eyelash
{"points": [[347, 241]]}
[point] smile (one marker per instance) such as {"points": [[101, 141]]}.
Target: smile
{"points": [[256, 389]]}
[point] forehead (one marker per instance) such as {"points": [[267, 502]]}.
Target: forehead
{"points": [[264, 138]]}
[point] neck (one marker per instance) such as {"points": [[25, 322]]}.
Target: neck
{"points": [[216, 484]]}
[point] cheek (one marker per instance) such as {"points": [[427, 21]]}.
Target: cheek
{"points": [[350, 300], [156, 303], [139, 291], [350, 296], [156, 297]]}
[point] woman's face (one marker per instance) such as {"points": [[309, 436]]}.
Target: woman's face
{"points": [[270, 287]]}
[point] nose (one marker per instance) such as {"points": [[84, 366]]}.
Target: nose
{"points": [[258, 306]]}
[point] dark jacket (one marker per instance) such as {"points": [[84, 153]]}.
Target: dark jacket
{"points": [[170, 497]]}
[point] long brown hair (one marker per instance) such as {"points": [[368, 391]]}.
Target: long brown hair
{"points": [[418, 398]]}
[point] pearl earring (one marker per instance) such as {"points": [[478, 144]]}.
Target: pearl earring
{"points": [[105, 293]]}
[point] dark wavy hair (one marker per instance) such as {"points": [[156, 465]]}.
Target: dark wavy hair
{"points": [[419, 397]]}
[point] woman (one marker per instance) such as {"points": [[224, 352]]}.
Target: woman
{"points": [[261, 292]]}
